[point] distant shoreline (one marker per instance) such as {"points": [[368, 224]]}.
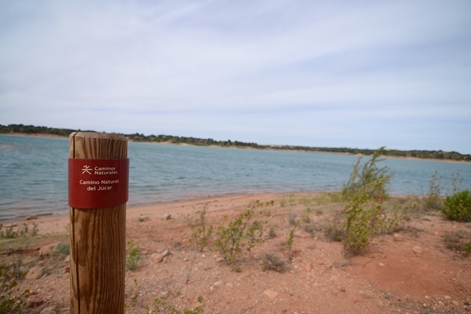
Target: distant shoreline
{"points": [[36, 135], [251, 148]]}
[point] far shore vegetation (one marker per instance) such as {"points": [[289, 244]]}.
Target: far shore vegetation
{"points": [[136, 137]]}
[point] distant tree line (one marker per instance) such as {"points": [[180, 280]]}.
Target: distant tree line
{"points": [[31, 129], [136, 137]]}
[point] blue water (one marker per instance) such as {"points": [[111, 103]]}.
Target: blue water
{"points": [[33, 173]]}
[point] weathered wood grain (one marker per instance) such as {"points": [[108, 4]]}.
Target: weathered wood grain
{"points": [[98, 237]]}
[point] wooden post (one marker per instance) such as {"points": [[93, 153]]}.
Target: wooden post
{"points": [[97, 235]]}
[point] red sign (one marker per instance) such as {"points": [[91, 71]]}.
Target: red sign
{"points": [[98, 183]]}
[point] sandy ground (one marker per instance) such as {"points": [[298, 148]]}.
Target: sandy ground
{"points": [[387, 277]]}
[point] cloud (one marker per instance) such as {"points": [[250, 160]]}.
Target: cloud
{"points": [[263, 71]]}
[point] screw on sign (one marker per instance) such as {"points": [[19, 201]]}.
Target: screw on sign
{"points": [[98, 192]]}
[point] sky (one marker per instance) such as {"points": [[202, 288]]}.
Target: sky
{"points": [[358, 74]]}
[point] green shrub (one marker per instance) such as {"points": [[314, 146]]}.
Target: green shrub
{"points": [[9, 276], [290, 241], [458, 206], [327, 197], [61, 248], [306, 201], [305, 216], [311, 229], [433, 200], [238, 236], [274, 262], [459, 241], [163, 306], [456, 181], [364, 214], [366, 217], [24, 231], [334, 231], [364, 175], [283, 202], [201, 234], [466, 249], [257, 203], [132, 256]]}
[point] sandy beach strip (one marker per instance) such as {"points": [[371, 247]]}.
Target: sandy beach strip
{"points": [[181, 209]]}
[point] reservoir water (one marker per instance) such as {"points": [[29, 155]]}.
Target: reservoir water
{"points": [[33, 173]]}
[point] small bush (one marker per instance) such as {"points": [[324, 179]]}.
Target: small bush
{"points": [[143, 218], [365, 218], [364, 214], [163, 306], [202, 234], [132, 256], [433, 199], [466, 249], [311, 229], [334, 231], [305, 217], [61, 248], [265, 212], [238, 236], [364, 175], [459, 241], [412, 204], [328, 197], [9, 276], [24, 231], [289, 242], [274, 262], [257, 203], [292, 218], [306, 201], [458, 206]]}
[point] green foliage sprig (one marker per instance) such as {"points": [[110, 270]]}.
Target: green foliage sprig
{"points": [[458, 206], [61, 248], [132, 256], [459, 241], [433, 199], [9, 276], [466, 249], [283, 202], [257, 203], [366, 217], [201, 234], [163, 306], [273, 262], [238, 236], [24, 231], [364, 174]]}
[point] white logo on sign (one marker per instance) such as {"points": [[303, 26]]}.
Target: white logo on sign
{"points": [[86, 169]]}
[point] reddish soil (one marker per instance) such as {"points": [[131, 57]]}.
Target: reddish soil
{"points": [[387, 277]]}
